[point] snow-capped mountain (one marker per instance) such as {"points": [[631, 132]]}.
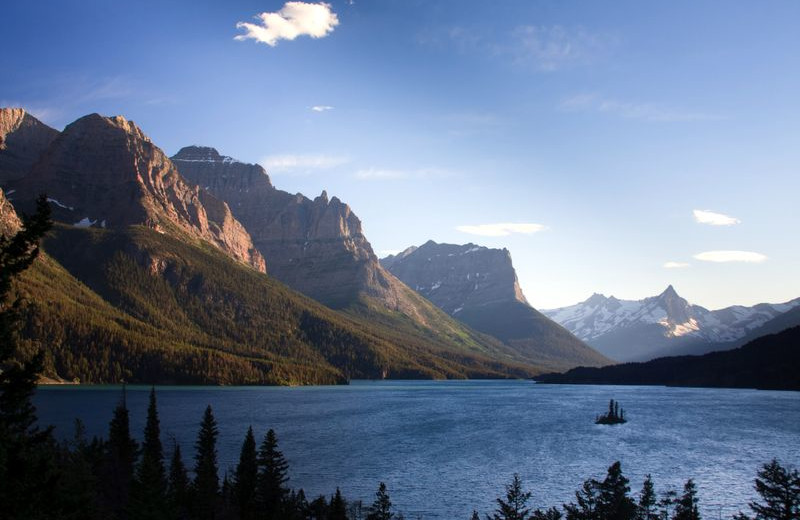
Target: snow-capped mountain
{"points": [[628, 330]]}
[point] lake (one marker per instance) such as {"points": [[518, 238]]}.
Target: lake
{"points": [[445, 448]]}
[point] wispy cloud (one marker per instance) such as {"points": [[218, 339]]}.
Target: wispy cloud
{"points": [[675, 265], [633, 110], [731, 256], [549, 48], [501, 229], [321, 108], [391, 174], [301, 163], [705, 216], [316, 20]]}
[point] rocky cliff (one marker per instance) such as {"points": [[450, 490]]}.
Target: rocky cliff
{"points": [[9, 222], [105, 172], [23, 138], [479, 286]]}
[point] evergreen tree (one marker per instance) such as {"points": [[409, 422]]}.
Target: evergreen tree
{"points": [[205, 489], [178, 486], [120, 459], [27, 454], [149, 491], [547, 514], [587, 498], [779, 489], [613, 500], [686, 506], [667, 503], [337, 509], [646, 509], [272, 476], [475, 516], [245, 478], [381, 508], [514, 506]]}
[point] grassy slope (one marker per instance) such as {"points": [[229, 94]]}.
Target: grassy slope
{"points": [[141, 306]]}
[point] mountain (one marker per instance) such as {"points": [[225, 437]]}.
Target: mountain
{"points": [[23, 138], [479, 287], [9, 221], [105, 172], [771, 363], [317, 247], [661, 325]]}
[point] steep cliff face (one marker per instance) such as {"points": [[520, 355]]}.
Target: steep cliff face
{"points": [[9, 221], [105, 172], [479, 286], [23, 138], [315, 246]]}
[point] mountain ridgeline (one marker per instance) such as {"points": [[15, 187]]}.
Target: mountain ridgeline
{"points": [[478, 286], [668, 325], [150, 276]]}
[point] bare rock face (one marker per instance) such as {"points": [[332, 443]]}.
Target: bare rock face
{"points": [[9, 221], [478, 286], [315, 246], [105, 172], [23, 138]]}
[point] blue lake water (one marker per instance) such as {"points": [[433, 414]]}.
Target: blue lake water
{"points": [[446, 448]]}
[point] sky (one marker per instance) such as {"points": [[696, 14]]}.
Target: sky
{"points": [[611, 147]]}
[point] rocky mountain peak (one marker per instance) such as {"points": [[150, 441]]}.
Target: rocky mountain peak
{"points": [[23, 138], [196, 153]]}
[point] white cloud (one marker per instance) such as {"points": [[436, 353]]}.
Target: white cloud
{"points": [[704, 216], [390, 174], [731, 256], [501, 229], [293, 20], [675, 265], [301, 163], [550, 48], [321, 108], [632, 110]]}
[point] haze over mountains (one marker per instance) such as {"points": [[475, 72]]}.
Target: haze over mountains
{"points": [[155, 273], [479, 286], [664, 325]]}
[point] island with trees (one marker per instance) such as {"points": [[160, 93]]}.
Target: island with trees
{"points": [[615, 414]]}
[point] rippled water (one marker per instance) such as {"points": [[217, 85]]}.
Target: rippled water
{"points": [[446, 448]]}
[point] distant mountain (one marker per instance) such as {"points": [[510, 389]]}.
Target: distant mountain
{"points": [[318, 248], [23, 138], [105, 172], [479, 286], [662, 325], [771, 363]]}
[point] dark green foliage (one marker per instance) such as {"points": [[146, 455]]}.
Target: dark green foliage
{"points": [[586, 502], [475, 516], [686, 505], [338, 508], [178, 486], [615, 415], [205, 488], [381, 508], [614, 502], [272, 476], [118, 466], [515, 505], [646, 508], [149, 490], [245, 478], [779, 489]]}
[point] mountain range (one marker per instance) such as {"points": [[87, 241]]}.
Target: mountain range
{"points": [[667, 324], [478, 286], [197, 269]]}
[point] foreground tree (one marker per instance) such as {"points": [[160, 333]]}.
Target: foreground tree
{"points": [[178, 486], [514, 507], [686, 505], [120, 459], [381, 509], [337, 509], [272, 477], [779, 489], [613, 501], [205, 489], [245, 477], [149, 491], [646, 508]]}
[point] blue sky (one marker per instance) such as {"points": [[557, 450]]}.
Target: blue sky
{"points": [[605, 124]]}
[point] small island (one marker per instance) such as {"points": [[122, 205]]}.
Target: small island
{"points": [[615, 415]]}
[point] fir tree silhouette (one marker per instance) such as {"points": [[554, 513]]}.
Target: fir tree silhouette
{"points": [[205, 489]]}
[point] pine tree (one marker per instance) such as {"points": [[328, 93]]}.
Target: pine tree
{"points": [[149, 491], [475, 516], [120, 459], [27, 456], [686, 506], [272, 476], [646, 509], [205, 489], [547, 514], [514, 506], [178, 486], [587, 498], [337, 509], [381, 508], [245, 478], [613, 501], [779, 489]]}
